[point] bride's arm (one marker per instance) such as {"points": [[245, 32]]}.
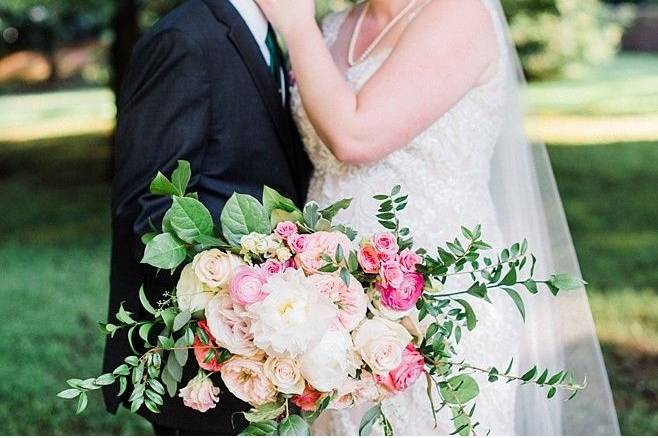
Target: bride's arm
{"points": [[441, 55]]}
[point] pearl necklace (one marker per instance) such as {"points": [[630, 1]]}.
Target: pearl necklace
{"points": [[380, 37]]}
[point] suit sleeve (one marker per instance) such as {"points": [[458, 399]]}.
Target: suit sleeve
{"points": [[164, 115]]}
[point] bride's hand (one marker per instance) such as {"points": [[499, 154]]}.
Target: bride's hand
{"points": [[288, 15]]}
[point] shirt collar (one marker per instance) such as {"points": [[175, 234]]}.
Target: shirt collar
{"points": [[253, 16]]}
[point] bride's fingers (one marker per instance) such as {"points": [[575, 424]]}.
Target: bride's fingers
{"points": [[285, 14]]}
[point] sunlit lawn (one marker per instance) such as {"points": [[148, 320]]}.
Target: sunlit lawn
{"points": [[54, 252]]}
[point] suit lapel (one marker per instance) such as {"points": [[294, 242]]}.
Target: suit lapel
{"points": [[244, 42]]}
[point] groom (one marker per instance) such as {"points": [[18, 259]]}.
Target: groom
{"points": [[205, 85]]}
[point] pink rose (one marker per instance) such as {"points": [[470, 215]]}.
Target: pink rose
{"points": [[246, 286], [409, 260], [392, 273], [200, 394], [308, 400], [230, 326], [319, 244], [352, 301], [285, 229], [201, 350], [385, 243], [405, 296], [406, 374], [368, 259], [297, 242], [245, 378], [271, 267], [354, 392]]}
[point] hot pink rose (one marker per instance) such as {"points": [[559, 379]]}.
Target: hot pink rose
{"points": [[318, 245], [405, 296], [409, 260], [285, 229], [271, 267], [406, 374], [297, 242], [392, 273], [308, 400], [385, 243], [246, 286], [368, 259]]}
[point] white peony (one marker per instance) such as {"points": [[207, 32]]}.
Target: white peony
{"points": [[329, 363], [191, 293], [230, 325], [380, 343], [293, 317]]}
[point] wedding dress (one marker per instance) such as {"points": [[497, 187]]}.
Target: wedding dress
{"points": [[446, 171]]}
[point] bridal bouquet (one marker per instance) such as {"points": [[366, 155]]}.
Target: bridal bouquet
{"points": [[297, 314]]}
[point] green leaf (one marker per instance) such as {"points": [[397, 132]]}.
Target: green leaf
{"points": [[145, 302], [162, 186], [181, 176], [152, 406], [312, 214], [459, 389], [330, 212], [368, 420], [82, 403], [123, 385], [552, 392], [144, 331], [164, 252], [105, 379], [124, 316], [264, 412], [181, 352], [181, 319], [157, 387], [208, 242], [278, 215], [69, 393], [166, 342], [262, 428], [190, 219], [531, 285], [273, 200], [509, 279], [528, 376], [146, 238], [243, 214], [518, 301], [566, 281], [294, 425], [121, 370], [173, 368], [471, 320], [461, 422], [169, 382], [323, 225], [168, 315]]}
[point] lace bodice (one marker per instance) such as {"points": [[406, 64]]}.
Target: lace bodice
{"points": [[445, 171]]}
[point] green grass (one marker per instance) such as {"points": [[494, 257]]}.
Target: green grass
{"points": [[54, 256], [626, 86]]}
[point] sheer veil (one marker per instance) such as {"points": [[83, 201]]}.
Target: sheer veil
{"points": [[559, 332]]}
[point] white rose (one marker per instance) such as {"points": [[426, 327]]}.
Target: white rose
{"points": [[230, 325], [329, 363], [214, 267], [249, 242], [380, 343], [262, 244], [283, 254], [293, 317], [191, 293], [285, 375]]}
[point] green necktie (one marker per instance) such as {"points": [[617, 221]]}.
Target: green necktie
{"points": [[273, 47]]}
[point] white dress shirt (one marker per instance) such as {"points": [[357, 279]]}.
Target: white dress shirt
{"points": [[257, 23]]}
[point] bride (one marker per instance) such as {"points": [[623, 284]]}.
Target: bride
{"points": [[424, 93]]}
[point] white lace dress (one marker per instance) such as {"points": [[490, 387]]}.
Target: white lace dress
{"points": [[445, 171]]}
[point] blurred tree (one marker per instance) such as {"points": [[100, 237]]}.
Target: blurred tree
{"points": [[563, 37]]}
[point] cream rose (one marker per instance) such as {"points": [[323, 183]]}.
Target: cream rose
{"points": [[318, 245], [191, 293], [285, 375], [380, 343], [200, 394], [330, 361], [293, 316], [230, 325], [353, 392], [245, 378], [351, 300], [214, 267]]}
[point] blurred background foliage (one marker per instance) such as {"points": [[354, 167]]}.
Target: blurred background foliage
{"points": [[593, 66]]}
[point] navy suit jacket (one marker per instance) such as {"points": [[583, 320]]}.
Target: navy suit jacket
{"points": [[197, 89]]}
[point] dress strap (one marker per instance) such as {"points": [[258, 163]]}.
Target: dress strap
{"points": [[331, 25]]}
